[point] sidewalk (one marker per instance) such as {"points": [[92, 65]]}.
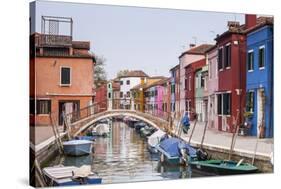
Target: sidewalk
{"points": [[41, 133], [219, 139]]}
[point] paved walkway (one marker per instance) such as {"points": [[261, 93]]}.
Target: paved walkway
{"points": [[223, 140], [41, 133]]}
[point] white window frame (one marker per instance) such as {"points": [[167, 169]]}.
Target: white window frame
{"points": [[250, 51], [262, 47], [70, 76]]}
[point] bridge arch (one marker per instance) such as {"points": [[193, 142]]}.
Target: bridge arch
{"points": [[155, 123]]}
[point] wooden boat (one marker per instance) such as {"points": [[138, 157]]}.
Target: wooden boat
{"points": [[90, 138], [101, 129], [175, 151], [224, 167], [77, 147], [154, 140], [147, 131], [139, 125], [70, 175]]}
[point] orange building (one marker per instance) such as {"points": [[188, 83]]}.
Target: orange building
{"points": [[61, 76]]}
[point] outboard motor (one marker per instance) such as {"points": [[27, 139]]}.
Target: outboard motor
{"points": [[201, 154]]}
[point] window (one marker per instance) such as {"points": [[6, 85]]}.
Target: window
{"points": [[32, 106], [121, 94], [109, 95], [227, 56], [197, 81], [185, 83], [202, 82], [121, 82], [220, 66], [250, 63], [155, 93], [128, 82], [261, 57], [43, 106], [226, 103], [189, 83], [250, 101], [219, 96], [109, 86], [65, 76], [128, 94]]}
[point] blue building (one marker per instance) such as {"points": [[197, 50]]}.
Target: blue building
{"points": [[259, 101]]}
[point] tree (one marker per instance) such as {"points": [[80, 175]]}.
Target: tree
{"points": [[122, 73], [99, 70]]}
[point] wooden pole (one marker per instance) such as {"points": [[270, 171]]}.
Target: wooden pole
{"points": [[193, 129], [38, 174], [55, 134], [233, 136], [204, 133]]}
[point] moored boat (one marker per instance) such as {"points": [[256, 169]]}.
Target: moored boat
{"points": [[77, 147], [154, 140], [147, 131], [139, 125], [101, 129], [175, 151], [90, 138], [70, 175], [224, 167]]}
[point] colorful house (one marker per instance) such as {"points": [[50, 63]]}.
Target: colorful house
{"points": [[259, 87], [113, 94], [232, 75], [212, 83], [127, 82], [61, 73], [193, 87], [175, 89], [101, 96], [139, 90], [194, 54]]}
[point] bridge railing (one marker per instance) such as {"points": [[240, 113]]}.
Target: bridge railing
{"points": [[86, 112]]}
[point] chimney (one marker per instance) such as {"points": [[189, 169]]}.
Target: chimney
{"points": [[250, 20], [191, 45], [233, 25]]}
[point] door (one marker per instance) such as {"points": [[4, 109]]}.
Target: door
{"points": [[260, 110], [68, 107]]}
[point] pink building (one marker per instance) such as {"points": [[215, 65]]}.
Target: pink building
{"points": [[212, 83], [194, 54]]}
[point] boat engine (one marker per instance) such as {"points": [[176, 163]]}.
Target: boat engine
{"points": [[201, 154]]}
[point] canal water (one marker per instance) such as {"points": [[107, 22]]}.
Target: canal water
{"points": [[123, 157]]}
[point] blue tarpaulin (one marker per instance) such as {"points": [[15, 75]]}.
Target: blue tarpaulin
{"points": [[173, 145]]}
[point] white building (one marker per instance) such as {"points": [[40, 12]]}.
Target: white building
{"points": [[127, 82]]}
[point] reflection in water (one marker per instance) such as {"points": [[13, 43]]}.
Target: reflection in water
{"points": [[123, 157]]}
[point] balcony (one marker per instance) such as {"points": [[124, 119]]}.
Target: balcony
{"points": [[47, 40]]}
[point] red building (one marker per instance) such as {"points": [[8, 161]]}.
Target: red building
{"points": [[190, 85], [101, 95], [232, 75]]}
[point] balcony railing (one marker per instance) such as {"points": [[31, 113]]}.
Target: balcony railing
{"points": [[53, 40]]}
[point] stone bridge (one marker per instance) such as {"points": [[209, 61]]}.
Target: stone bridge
{"points": [[81, 125]]}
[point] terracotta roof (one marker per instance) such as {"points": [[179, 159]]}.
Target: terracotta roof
{"points": [[175, 67], [261, 21], [199, 50], [134, 73]]}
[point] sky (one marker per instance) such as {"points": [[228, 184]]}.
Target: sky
{"points": [[136, 38]]}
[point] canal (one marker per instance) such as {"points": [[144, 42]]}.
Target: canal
{"points": [[123, 157]]}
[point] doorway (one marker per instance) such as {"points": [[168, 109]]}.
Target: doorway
{"points": [[260, 112], [68, 106]]}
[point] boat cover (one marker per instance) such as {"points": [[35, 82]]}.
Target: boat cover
{"points": [[76, 142], [173, 145], [170, 146], [154, 139]]}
